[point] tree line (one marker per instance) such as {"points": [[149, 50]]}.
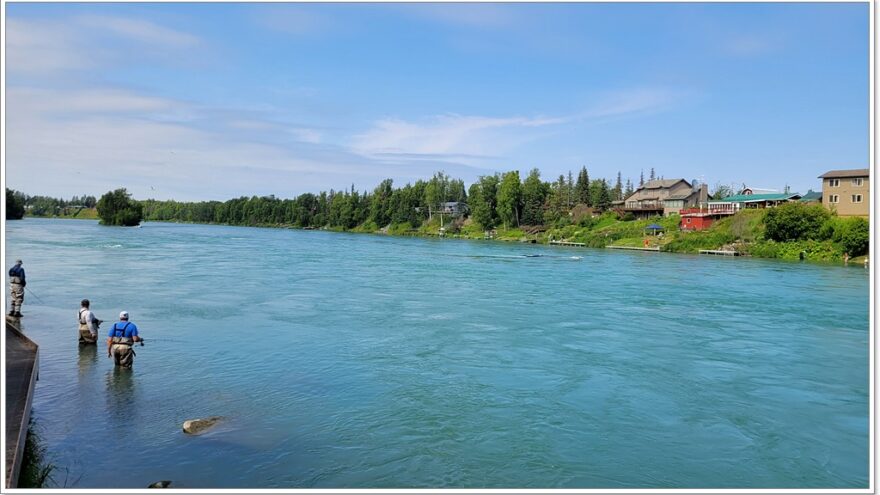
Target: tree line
{"points": [[501, 199], [17, 203], [493, 200]]}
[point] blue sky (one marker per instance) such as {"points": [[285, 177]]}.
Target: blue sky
{"points": [[214, 101]]}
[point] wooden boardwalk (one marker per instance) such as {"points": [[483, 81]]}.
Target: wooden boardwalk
{"points": [[635, 248], [566, 243], [22, 361], [718, 252]]}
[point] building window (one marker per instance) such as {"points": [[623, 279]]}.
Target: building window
{"points": [[856, 198], [833, 182], [857, 182], [833, 198]]}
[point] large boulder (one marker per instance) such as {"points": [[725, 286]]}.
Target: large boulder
{"points": [[196, 426]]}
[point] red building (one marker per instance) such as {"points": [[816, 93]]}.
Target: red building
{"points": [[696, 221], [701, 218]]}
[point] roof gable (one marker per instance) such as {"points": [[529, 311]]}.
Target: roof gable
{"points": [[835, 174]]}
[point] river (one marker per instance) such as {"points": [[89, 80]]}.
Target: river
{"points": [[353, 361]]}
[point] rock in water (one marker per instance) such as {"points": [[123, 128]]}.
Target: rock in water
{"points": [[196, 426], [160, 484]]}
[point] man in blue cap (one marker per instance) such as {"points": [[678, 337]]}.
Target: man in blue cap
{"points": [[123, 334]]}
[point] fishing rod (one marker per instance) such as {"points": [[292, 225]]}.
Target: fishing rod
{"points": [[34, 294]]}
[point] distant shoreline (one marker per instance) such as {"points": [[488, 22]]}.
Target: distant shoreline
{"points": [[541, 240]]}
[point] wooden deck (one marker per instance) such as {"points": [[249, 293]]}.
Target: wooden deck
{"points": [[22, 361], [567, 243], [635, 248], [719, 253]]}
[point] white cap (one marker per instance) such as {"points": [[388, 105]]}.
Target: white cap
{"points": [[123, 315]]}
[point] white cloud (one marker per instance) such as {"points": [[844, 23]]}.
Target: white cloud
{"points": [[65, 142], [37, 48], [476, 138], [631, 101], [139, 30], [40, 47], [460, 135]]}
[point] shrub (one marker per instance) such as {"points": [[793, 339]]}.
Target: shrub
{"points": [[855, 236], [794, 221], [117, 208], [14, 205]]}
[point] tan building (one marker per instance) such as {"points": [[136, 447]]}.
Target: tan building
{"points": [[665, 197], [847, 192]]}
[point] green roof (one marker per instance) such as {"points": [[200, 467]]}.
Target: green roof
{"points": [[812, 196], [745, 198]]}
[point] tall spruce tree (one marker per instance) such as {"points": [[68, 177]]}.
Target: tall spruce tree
{"points": [[582, 188], [534, 193], [618, 189]]}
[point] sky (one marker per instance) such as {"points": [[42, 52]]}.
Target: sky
{"points": [[206, 101]]}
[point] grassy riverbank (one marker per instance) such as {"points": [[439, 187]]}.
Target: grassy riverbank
{"points": [[743, 232], [71, 213]]}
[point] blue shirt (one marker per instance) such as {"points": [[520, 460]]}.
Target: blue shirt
{"points": [[17, 271], [130, 331]]}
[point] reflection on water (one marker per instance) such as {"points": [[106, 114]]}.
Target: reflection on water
{"points": [[88, 357], [120, 394]]}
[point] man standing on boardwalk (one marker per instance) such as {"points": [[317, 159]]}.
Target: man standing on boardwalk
{"points": [[17, 283], [122, 336]]}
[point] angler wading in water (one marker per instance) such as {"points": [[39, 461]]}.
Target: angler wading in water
{"points": [[88, 324], [17, 284], [123, 334]]}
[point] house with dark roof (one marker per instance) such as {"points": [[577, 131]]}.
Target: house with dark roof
{"points": [[664, 197], [847, 192], [454, 208]]}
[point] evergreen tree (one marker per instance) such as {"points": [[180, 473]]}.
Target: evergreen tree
{"points": [[653, 175], [509, 198], [582, 188], [629, 189], [534, 193], [569, 190], [642, 178], [618, 189], [601, 194]]}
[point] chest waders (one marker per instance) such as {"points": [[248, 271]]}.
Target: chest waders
{"points": [[85, 335], [123, 353], [16, 291]]}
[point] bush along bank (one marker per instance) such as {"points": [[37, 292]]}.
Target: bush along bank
{"points": [[791, 231]]}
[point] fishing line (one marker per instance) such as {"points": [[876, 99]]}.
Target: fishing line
{"points": [[33, 294]]}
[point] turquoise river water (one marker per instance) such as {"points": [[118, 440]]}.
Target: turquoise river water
{"points": [[353, 361]]}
